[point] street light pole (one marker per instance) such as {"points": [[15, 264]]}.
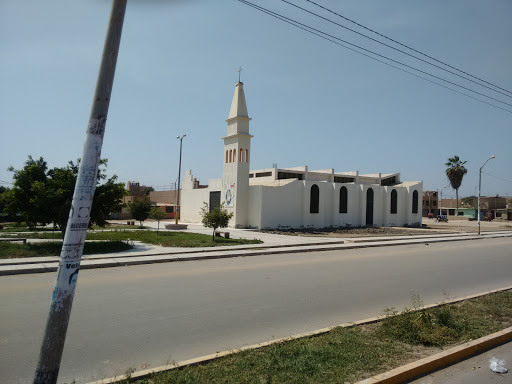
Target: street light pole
{"points": [[440, 202], [479, 189], [52, 345], [178, 210]]}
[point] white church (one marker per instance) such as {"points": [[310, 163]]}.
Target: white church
{"points": [[297, 197]]}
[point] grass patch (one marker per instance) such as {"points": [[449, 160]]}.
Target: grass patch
{"points": [[352, 354], [170, 239], [335, 357], [164, 239], [52, 248], [449, 324], [22, 227]]}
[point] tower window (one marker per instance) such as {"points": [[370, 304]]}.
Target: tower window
{"points": [[314, 202], [230, 155], [246, 155], [226, 156]]}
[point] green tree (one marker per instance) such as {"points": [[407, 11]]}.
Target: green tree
{"points": [[140, 209], [216, 218], [157, 214], [43, 195], [27, 194], [5, 194], [455, 173], [147, 190]]}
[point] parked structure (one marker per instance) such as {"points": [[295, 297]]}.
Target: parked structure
{"points": [[164, 200], [430, 203], [297, 197], [493, 207]]}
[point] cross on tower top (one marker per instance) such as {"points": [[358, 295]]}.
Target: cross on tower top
{"points": [[239, 70]]}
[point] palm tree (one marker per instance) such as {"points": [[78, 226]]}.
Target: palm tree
{"points": [[455, 172]]}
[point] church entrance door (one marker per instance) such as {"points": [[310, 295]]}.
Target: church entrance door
{"points": [[214, 200], [369, 207]]}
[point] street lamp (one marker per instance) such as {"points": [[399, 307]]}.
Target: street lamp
{"points": [[440, 202], [177, 213], [479, 188]]}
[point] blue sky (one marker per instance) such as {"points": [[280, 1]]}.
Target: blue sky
{"points": [[312, 102]]}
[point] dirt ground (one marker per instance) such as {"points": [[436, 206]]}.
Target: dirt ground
{"points": [[430, 226]]}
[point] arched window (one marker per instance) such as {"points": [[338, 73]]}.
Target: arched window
{"points": [[246, 155], [369, 207], [227, 156], [234, 155], [314, 202], [241, 158], [230, 155], [415, 202], [393, 201], [343, 200]]}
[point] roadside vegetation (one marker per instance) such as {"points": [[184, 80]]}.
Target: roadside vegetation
{"points": [[113, 241], [10, 250], [355, 353], [169, 239], [23, 227]]}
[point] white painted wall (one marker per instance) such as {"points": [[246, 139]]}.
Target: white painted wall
{"points": [[289, 205], [192, 201]]}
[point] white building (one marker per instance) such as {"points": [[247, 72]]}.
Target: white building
{"points": [[297, 197]]}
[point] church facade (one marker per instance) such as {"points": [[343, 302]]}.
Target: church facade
{"points": [[297, 197]]}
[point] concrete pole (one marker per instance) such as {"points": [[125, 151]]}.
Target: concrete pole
{"points": [[79, 216], [479, 188], [178, 210]]}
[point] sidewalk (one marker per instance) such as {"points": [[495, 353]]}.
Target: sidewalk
{"points": [[474, 370], [272, 244], [465, 364]]}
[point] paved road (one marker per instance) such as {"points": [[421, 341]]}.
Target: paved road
{"points": [[154, 314]]}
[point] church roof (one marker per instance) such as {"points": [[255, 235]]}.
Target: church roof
{"points": [[238, 105]]}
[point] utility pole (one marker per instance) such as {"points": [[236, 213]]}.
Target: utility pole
{"points": [[479, 189], [178, 210], [79, 216]]}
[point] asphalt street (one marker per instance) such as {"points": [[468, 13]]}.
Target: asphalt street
{"points": [[148, 315]]}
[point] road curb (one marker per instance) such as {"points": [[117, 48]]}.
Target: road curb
{"points": [[125, 261], [421, 366], [440, 360]]}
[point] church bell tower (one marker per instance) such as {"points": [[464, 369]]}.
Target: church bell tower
{"points": [[236, 156]]}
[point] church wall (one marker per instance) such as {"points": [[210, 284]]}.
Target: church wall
{"points": [[192, 200], [414, 218], [398, 218], [379, 206], [280, 206], [350, 218], [255, 206], [322, 218]]}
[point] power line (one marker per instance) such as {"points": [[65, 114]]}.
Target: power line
{"points": [[375, 53], [311, 30], [394, 48], [406, 46], [5, 182], [497, 177]]}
